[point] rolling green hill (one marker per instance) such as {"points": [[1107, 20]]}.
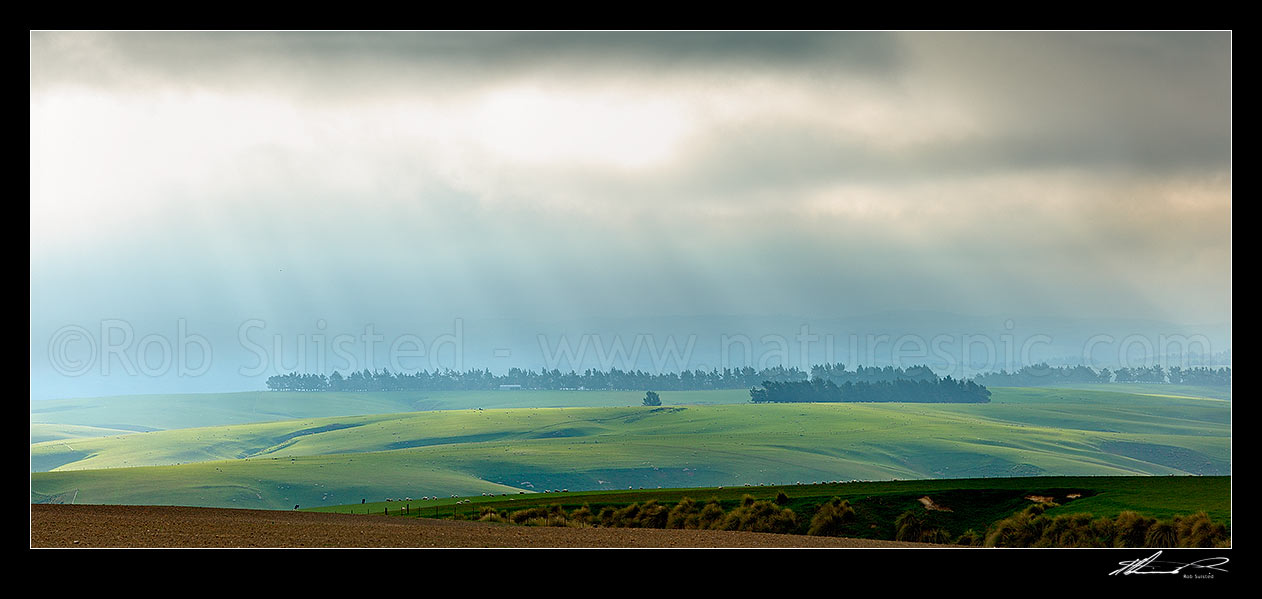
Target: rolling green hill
{"points": [[41, 432], [67, 418], [140, 413], [1024, 432], [1158, 389]]}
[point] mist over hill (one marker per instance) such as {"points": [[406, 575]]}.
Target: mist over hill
{"points": [[146, 356]]}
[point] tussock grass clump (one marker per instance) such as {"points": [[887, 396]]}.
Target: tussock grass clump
{"points": [[536, 515], [908, 526], [1198, 530], [1130, 529], [489, 514], [935, 535], [831, 518], [711, 515], [685, 514], [653, 515], [759, 516], [1032, 528], [649, 515], [971, 538], [583, 515]]}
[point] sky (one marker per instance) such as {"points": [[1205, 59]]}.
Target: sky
{"points": [[428, 176]]}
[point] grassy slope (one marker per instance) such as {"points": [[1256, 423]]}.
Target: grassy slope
{"points": [[41, 432], [263, 483], [1158, 389], [1017, 419], [172, 411], [1023, 432]]}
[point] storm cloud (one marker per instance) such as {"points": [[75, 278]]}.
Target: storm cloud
{"points": [[429, 176]]}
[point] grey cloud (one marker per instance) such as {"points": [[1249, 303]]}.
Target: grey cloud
{"points": [[1143, 106], [341, 63], [782, 159]]}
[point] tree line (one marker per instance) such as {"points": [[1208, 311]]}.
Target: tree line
{"points": [[943, 390], [547, 380], [556, 380], [1039, 375], [869, 381]]}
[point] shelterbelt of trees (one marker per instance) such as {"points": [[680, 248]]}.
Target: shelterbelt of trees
{"points": [[1042, 374], [944, 390], [730, 378], [611, 380]]}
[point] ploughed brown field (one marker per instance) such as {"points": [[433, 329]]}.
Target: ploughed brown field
{"points": [[161, 526]]}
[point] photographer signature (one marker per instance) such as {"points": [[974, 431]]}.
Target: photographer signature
{"points": [[1150, 565]]}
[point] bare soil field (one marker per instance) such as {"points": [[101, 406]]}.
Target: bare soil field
{"points": [[161, 526]]}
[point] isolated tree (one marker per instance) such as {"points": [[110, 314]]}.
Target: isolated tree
{"points": [[651, 399]]}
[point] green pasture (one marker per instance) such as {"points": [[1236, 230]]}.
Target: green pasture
{"points": [[137, 413], [328, 461], [66, 418], [1157, 389]]}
